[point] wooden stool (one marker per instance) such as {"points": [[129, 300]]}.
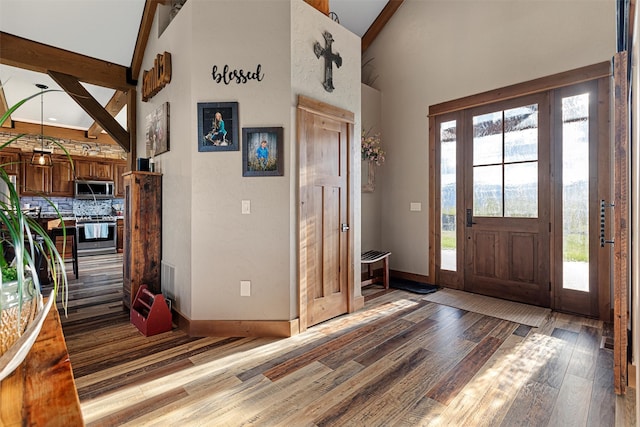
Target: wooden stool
{"points": [[371, 257], [71, 252]]}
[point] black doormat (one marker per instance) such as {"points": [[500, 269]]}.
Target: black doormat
{"points": [[411, 286]]}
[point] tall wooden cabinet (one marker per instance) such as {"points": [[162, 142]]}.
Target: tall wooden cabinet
{"points": [[142, 251]]}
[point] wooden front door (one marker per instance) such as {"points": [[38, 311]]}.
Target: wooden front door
{"points": [[325, 246], [506, 188]]}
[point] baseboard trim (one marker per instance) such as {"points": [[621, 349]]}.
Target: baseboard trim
{"points": [[409, 276], [237, 328]]}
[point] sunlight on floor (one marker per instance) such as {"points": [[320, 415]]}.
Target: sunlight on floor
{"points": [[218, 376]]}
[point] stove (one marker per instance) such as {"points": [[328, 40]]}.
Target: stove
{"points": [[96, 234], [95, 218]]}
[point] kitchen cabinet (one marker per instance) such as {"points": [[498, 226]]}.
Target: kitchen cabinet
{"points": [[35, 179], [142, 250], [118, 171], [10, 161], [94, 169], [61, 177], [54, 181]]}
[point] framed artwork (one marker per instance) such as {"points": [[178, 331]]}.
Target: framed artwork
{"points": [[218, 126], [157, 131], [262, 151]]}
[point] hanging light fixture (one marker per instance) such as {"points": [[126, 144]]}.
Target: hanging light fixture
{"points": [[42, 157]]}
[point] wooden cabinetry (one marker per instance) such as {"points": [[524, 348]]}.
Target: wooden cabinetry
{"points": [[142, 250], [119, 235], [61, 178], [94, 169], [10, 161], [54, 181], [118, 170], [35, 179]]}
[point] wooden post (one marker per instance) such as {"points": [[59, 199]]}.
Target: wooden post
{"points": [[321, 5], [621, 219]]}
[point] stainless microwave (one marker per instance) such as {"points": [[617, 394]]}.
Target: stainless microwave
{"points": [[93, 189]]}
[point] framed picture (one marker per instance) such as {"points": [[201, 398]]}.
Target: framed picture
{"points": [[218, 126], [262, 152], [157, 131]]}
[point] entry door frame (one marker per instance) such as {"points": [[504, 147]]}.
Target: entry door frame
{"points": [[320, 108], [597, 71]]}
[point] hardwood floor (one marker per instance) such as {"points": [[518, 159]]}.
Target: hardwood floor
{"points": [[400, 361]]}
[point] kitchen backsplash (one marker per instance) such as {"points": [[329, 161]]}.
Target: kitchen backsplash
{"points": [[74, 207]]}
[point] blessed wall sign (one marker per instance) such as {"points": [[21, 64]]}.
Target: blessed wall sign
{"points": [[227, 75], [158, 77]]}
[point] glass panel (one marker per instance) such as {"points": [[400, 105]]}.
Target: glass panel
{"points": [[448, 196], [575, 192], [521, 190], [487, 191], [521, 134], [487, 139]]}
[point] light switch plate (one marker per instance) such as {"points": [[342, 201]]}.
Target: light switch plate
{"points": [[245, 288], [416, 206], [246, 207]]}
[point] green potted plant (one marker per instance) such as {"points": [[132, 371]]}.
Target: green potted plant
{"points": [[24, 244]]}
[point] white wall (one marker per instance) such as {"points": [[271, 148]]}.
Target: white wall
{"points": [[211, 244], [433, 51], [372, 202], [307, 27], [175, 164]]}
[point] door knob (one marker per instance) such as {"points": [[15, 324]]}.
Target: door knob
{"points": [[344, 227]]}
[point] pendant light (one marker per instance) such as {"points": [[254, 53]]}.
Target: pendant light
{"points": [[42, 157]]}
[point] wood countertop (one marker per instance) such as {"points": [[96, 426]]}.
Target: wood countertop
{"points": [[42, 390]]}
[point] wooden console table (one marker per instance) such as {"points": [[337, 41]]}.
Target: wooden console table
{"points": [[371, 257], [42, 390]]}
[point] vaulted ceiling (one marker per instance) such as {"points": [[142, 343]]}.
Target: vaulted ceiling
{"points": [[91, 46]]}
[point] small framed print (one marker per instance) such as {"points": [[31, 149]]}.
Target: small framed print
{"points": [[218, 126], [157, 131], [262, 151]]}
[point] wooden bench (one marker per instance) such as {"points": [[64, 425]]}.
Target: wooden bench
{"points": [[370, 258]]}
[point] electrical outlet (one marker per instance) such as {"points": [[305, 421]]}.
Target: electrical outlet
{"points": [[246, 207], [245, 288]]}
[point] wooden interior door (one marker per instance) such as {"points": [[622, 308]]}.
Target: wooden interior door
{"points": [[506, 187], [324, 216]]}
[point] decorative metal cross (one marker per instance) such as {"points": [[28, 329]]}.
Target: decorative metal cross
{"points": [[329, 59]]}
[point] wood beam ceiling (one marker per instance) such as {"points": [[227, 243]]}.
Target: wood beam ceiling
{"points": [[119, 99], [30, 55], [76, 135], [113, 107], [377, 26], [75, 90]]}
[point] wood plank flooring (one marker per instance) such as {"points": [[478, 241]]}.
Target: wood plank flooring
{"points": [[401, 361]]}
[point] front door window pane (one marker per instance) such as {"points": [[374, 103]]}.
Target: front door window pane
{"points": [[487, 139], [521, 134], [521, 190], [575, 192], [487, 191], [448, 196]]}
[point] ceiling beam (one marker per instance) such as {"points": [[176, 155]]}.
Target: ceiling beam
{"points": [[377, 26], [75, 90], [4, 107], [58, 132], [113, 107], [146, 23], [22, 53], [119, 98], [321, 5]]}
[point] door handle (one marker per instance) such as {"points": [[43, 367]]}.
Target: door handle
{"points": [[469, 218], [344, 227], [603, 206]]}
